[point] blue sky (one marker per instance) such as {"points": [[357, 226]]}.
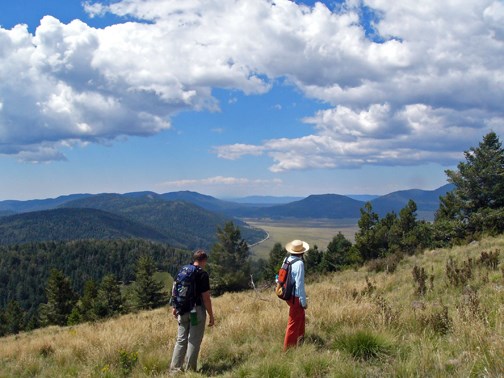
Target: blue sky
{"points": [[235, 98]]}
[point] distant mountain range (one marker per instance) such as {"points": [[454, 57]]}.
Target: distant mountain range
{"points": [[113, 216], [264, 200], [13, 206], [182, 219]]}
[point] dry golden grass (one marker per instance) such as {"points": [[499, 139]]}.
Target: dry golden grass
{"points": [[405, 332]]}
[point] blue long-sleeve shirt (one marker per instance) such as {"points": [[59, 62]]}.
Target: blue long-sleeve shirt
{"points": [[297, 274]]}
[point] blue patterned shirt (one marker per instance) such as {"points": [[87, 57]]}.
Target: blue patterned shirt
{"points": [[297, 275]]}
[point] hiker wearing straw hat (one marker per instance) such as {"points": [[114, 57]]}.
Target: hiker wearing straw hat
{"points": [[294, 333]]}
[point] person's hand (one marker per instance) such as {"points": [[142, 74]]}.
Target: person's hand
{"points": [[211, 322], [305, 306], [174, 312]]}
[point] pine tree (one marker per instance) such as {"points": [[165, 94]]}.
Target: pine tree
{"points": [[338, 254], [87, 302], [477, 202], [313, 260], [366, 241], [109, 300], [3, 323], [75, 316], [148, 292], [60, 299], [14, 318], [230, 263], [403, 235], [276, 257]]}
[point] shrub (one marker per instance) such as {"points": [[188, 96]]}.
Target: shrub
{"points": [[469, 308], [459, 276], [363, 345], [369, 289], [385, 310], [127, 361], [46, 350], [440, 321], [386, 264], [489, 259], [420, 277]]}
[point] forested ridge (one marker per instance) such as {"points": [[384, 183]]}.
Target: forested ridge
{"points": [[72, 224], [184, 224], [112, 216], [25, 268]]}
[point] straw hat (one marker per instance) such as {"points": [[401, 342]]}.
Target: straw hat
{"points": [[297, 247]]}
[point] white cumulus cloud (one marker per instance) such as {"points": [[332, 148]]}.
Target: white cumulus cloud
{"points": [[425, 83]]}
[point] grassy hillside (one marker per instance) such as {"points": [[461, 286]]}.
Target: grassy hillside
{"points": [[355, 327]]}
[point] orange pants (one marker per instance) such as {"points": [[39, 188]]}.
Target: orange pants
{"points": [[296, 324]]}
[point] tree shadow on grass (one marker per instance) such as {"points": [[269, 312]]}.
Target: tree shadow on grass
{"points": [[314, 339], [220, 367]]}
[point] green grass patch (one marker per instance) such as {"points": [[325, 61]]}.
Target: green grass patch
{"points": [[363, 345]]}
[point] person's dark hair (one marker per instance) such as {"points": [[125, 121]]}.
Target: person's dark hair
{"points": [[200, 255]]}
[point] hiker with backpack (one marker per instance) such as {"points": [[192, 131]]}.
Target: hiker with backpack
{"points": [[191, 302], [291, 288]]}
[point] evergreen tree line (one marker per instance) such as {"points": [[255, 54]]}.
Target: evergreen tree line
{"points": [[98, 301], [81, 270]]}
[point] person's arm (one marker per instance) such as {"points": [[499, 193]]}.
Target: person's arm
{"points": [[301, 285], [207, 301]]}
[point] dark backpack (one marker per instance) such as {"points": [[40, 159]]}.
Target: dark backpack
{"points": [[285, 285], [184, 289]]}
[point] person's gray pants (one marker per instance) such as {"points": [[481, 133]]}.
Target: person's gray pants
{"points": [[188, 341]]}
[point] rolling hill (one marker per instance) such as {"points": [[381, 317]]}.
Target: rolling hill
{"points": [[13, 206], [72, 224], [426, 200], [5, 213], [184, 224], [198, 199], [334, 206], [315, 206]]}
